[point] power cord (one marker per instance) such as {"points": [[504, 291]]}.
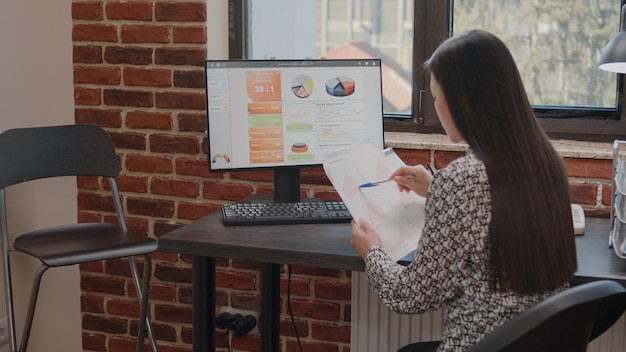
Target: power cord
{"points": [[293, 321]]}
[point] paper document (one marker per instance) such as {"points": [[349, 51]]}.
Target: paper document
{"points": [[398, 217]]}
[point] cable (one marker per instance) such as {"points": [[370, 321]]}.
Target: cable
{"points": [[228, 339], [293, 321]]}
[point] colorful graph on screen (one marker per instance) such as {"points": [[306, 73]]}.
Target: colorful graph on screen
{"points": [[340, 86], [302, 86]]}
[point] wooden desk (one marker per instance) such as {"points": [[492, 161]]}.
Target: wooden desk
{"points": [[323, 245]]}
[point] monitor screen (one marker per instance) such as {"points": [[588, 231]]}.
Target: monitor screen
{"points": [[287, 114]]}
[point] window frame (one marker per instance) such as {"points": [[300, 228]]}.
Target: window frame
{"points": [[431, 27]]}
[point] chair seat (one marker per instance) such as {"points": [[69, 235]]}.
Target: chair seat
{"points": [[80, 243]]}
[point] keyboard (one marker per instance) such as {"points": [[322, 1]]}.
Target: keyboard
{"points": [[269, 213]]}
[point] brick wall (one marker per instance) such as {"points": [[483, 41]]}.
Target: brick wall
{"points": [[138, 73]]}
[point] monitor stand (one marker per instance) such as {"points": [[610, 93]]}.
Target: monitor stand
{"points": [[287, 185]]}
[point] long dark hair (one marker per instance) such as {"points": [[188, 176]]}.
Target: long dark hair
{"points": [[532, 238]]}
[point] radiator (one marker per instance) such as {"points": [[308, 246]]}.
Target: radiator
{"points": [[375, 328]]}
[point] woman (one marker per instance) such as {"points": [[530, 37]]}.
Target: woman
{"points": [[498, 235]]}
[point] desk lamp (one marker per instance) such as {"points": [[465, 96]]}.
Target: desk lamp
{"points": [[613, 56]]}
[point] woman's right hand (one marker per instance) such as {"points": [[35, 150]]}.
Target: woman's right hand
{"points": [[413, 178]]}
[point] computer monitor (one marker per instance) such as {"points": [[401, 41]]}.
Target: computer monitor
{"points": [[287, 114]]}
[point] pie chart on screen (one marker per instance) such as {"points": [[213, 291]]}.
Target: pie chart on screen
{"points": [[340, 86], [302, 86]]}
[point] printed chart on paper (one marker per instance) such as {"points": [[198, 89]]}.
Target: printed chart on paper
{"points": [[398, 217]]}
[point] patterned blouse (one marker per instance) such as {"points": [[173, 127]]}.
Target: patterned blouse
{"points": [[451, 263]]}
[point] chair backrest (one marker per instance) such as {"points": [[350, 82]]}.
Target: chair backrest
{"points": [[70, 150], [567, 321]]}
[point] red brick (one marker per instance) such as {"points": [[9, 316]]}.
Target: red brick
{"points": [[87, 11], [94, 342], [104, 118], [92, 201], [226, 191], [316, 309], [413, 157], [110, 285], [247, 343], [91, 303], [190, 122], [138, 225], [299, 286], [583, 193], [174, 144], [94, 267], [145, 34], [180, 100], [180, 56], [607, 194], [180, 11], [292, 346], [150, 207], [161, 228], [193, 167], [175, 187], [173, 314], [94, 32], [124, 308], [325, 332], [87, 54], [97, 75], [149, 120], [246, 301], [122, 344], [105, 324], [135, 184], [147, 77], [173, 273], [236, 280], [137, 10], [443, 158], [129, 140], [314, 176], [88, 182], [87, 96], [128, 55], [148, 163], [85, 218], [333, 289], [286, 328], [191, 34], [267, 175], [166, 293], [591, 168], [120, 97], [326, 194], [194, 211], [189, 79], [120, 267]]}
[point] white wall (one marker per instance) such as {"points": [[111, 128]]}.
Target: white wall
{"points": [[36, 89]]}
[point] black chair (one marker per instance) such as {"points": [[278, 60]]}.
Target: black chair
{"points": [[567, 321], [28, 154]]}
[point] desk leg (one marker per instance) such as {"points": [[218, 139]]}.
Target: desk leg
{"points": [[270, 307], [203, 272]]}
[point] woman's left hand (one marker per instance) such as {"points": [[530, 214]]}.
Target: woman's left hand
{"points": [[364, 237]]}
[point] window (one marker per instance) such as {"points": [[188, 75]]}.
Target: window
{"points": [[556, 44]]}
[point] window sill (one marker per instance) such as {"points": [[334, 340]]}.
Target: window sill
{"points": [[440, 142]]}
